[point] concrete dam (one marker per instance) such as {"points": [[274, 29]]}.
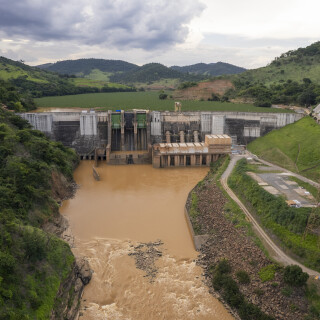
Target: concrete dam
{"points": [[162, 138]]}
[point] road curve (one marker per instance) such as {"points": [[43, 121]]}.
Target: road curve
{"points": [[277, 253]]}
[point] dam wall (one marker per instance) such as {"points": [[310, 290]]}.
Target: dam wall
{"points": [[126, 132]]}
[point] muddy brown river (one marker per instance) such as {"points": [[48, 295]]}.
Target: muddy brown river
{"points": [[115, 221]]}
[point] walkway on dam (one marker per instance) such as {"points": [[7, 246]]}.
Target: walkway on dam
{"points": [[276, 252]]}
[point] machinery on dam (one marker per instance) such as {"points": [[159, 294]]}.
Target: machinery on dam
{"points": [[162, 138]]}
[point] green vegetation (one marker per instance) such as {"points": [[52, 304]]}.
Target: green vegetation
{"points": [[210, 69], [293, 65], [229, 290], [193, 213], [243, 277], [38, 83], [287, 223], [294, 276], [293, 78], [313, 296], [294, 147], [32, 262], [151, 72], [84, 82], [304, 92], [268, 272], [10, 97], [187, 84], [87, 67], [141, 100]]}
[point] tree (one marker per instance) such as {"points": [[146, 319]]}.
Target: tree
{"points": [[294, 275], [163, 96]]}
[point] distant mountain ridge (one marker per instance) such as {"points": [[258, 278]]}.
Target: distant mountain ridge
{"points": [[152, 72], [212, 69], [85, 66], [125, 72]]}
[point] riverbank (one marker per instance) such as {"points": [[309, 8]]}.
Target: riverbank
{"points": [[230, 237], [67, 300]]}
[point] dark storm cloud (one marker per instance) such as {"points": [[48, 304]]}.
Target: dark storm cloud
{"points": [[117, 23]]}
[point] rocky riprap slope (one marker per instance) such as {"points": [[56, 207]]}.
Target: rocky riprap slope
{"points": [[229, 239]]}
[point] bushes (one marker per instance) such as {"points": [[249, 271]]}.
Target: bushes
{"points": [[243, 277], [229, 290], [267, 273], [286, 223], [32, 263], [294, 276]]}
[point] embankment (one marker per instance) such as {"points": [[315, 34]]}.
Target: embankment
{"points": [[251, 284], [35, 264]]}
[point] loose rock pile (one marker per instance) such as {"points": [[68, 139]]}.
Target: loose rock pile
{"points": [[228, 240], [145, 255]]}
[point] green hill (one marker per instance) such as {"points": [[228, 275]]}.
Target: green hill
{"points": [[294, 65], [38, 83], [152, 72], [292, 78], [210, 69], [84, 67], [295, 147]]}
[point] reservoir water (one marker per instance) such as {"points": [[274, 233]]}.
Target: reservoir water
{"points": [[131, 227]]}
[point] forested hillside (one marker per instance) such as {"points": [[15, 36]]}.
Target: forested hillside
{"points": [[32, 262], [152, 72], [210, 69], [81, 67], [292, 78], [34, 82]]}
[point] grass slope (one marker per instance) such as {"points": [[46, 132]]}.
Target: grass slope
{"points": [[295, 147], [294, 65], [140, 100]]}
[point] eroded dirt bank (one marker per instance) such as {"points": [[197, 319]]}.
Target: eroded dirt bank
{"points": [[228, 239]]}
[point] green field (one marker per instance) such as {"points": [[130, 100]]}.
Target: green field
{"points": [[85, 82], [141, 100], [295, 147]]}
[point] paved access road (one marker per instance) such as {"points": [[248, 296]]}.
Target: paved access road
{"points": [[276, 252]]}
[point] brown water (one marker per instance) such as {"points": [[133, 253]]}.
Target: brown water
{"points": [[130, 205]]}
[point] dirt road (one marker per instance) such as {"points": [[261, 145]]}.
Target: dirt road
{"points": [[276, 253]]}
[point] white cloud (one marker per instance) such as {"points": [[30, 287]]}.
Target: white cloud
{"points": [[247, 33]]}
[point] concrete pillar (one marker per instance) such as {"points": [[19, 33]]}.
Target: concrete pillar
{"points": [[181, 133], [184, 161], [195, 136], [135, 130], [193, 160], [148, 117], [109, 128], [108, 151], [156, 161], [208, 159], [122, 148], [200, 160], [176, 161], [168, 137]]}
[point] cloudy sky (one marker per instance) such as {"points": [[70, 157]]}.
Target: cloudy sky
{"points": [[247, 33]]}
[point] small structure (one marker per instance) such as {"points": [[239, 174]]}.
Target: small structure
{"points": [[191, 154], [177, 107], [293, 203], [316, 113]]}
